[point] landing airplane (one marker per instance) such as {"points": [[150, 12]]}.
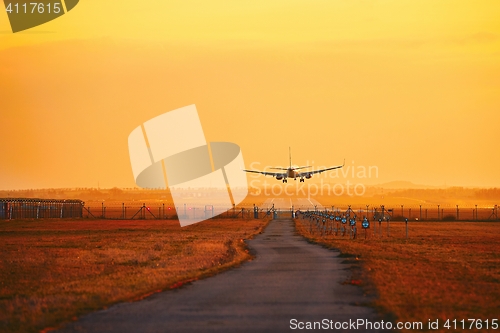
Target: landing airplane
{"points": [[291, 172]]}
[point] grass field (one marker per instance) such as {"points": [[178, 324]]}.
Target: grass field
{"points": [[442, 271], [52, 271]]}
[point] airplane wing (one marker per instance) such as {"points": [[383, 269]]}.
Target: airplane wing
{"points": [[310, 173], [302, 167], [274, 174]]}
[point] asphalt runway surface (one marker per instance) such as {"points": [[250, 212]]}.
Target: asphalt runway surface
{"points": [[289, 279]]}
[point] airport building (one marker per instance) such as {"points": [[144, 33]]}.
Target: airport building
{"points": [[29, 208]]}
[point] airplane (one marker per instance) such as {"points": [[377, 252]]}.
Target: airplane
{"points": [[291, 172]]}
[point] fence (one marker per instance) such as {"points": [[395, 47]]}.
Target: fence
{"points": [[163, 211], [40, 208], [423, 213], [47, 208]]}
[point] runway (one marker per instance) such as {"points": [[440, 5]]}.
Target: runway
{"points": [[296, 203], [289, 279]]}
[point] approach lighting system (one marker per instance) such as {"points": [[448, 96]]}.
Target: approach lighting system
{"points": [[365, 224]]}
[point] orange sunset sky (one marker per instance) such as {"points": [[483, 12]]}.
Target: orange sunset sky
{"points": [[411, 87]]}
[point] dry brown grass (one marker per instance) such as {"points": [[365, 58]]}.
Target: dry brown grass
{"points": [[443, 271], [54, 270]]}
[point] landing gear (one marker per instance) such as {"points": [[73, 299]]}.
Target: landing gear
{"points": [[284, 181], [301, 180]]}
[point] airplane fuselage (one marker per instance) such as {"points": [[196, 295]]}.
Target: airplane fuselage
{"points": [[291, 173]]}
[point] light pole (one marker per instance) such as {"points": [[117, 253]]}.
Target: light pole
{"points": [[406, 223]]}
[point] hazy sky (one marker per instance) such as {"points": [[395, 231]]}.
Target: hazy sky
{"points": [[410, 87]]}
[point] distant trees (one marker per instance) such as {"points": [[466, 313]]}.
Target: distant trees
{"points": [[488, 193]]}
